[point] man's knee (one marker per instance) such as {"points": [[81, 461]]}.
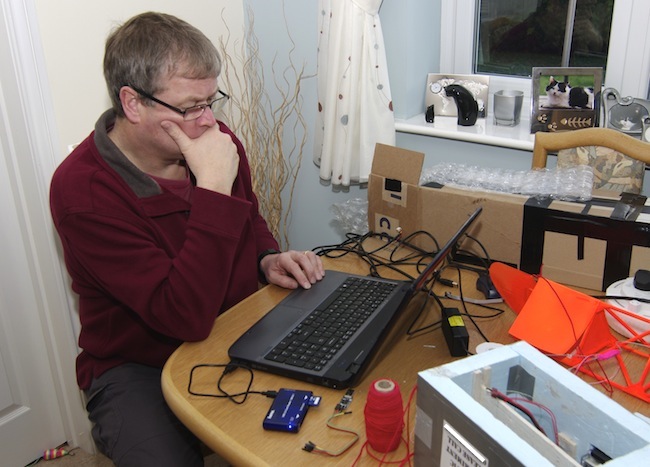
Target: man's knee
{"points": [[133, 424]]}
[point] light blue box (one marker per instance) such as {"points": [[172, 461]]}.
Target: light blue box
{"points": [[458, 422]]}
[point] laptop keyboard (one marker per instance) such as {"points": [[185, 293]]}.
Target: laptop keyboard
{"points": [[322, 333]]}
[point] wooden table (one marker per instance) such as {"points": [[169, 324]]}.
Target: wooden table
{"points": [[235, 431]]}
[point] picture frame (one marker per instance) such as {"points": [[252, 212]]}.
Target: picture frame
{"points": [[626, 114], [441, 104], [558, 107]]}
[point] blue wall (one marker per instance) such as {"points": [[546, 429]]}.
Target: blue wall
{"points": [[311, 222], [411, 34], [413, 49]]}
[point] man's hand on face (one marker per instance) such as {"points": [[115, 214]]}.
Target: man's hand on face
{"points": [[212, 157]]}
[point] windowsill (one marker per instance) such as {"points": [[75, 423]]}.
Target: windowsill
{"points": [[484, 131]]}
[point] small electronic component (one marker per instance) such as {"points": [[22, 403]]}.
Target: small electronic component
{"points": [[485, 285], [594, 457], [521, 382], [429, 115], [339, 411], [455, 332], [345, 401], [289, 409]]}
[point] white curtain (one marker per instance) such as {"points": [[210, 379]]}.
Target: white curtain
{"points": [[355, 110]]}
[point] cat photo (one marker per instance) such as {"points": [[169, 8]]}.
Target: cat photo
{"points": [[561, 95], [565, 98]]}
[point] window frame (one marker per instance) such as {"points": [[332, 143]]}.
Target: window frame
{"points": [[628, 72]]}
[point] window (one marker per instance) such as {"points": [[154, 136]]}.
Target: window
{"points": [[514, 37], [628, 54]]}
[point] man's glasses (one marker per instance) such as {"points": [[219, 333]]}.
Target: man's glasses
{"points": [[191, 113]]}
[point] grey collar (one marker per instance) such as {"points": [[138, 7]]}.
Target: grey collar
{"points": [[141, 184]]}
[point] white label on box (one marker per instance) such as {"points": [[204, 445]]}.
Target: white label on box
{"points": [[457, 451], [394, 192], [386, 224]]}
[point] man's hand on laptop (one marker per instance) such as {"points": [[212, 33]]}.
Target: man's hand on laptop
{"points": [[292, 269]]}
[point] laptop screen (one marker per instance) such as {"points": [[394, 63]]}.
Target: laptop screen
{"points": [[442, 254]]}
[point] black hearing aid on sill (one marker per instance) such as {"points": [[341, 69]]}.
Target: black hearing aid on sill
{"points": [[465, 103]]}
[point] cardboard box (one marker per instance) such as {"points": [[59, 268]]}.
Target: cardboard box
{"points": [[458, 422], [498, 228], [577, 244], [584, 244], [393, 190], [395, 199]]}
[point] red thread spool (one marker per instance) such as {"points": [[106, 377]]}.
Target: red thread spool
{"points": [[384, 415]]}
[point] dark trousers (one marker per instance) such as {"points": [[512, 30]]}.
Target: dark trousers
{"points": [[132, 424]]}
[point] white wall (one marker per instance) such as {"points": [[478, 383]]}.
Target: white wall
{"points": [[73, 35]]}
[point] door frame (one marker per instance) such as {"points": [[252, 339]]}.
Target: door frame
{"points": [[34, 137]]}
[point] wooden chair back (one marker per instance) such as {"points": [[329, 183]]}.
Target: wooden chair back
{"points": [[592, 137]]}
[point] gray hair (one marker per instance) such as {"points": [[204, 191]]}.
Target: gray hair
{"points": [[152, 46]]}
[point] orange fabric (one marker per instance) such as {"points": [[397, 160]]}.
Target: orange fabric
{"points": [[513, 285], [572, 328], [555, 319]]}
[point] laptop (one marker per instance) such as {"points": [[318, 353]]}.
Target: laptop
{"points": [[338, 357]]}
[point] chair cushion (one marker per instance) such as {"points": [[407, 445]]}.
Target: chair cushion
{"points": [[613, 171]]}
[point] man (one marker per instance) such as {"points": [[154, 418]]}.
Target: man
{"points": [[160, 231]]}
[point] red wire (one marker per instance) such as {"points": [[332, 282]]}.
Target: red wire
{"points": [[547, 410], [499, 395]]}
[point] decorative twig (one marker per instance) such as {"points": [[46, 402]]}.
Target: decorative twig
{"points": [[262, 126]]}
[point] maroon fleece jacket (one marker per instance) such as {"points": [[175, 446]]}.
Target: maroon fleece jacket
{"points": [[151, 270]]}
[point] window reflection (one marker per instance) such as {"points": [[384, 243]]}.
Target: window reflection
{"points": [[513, 37]]}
